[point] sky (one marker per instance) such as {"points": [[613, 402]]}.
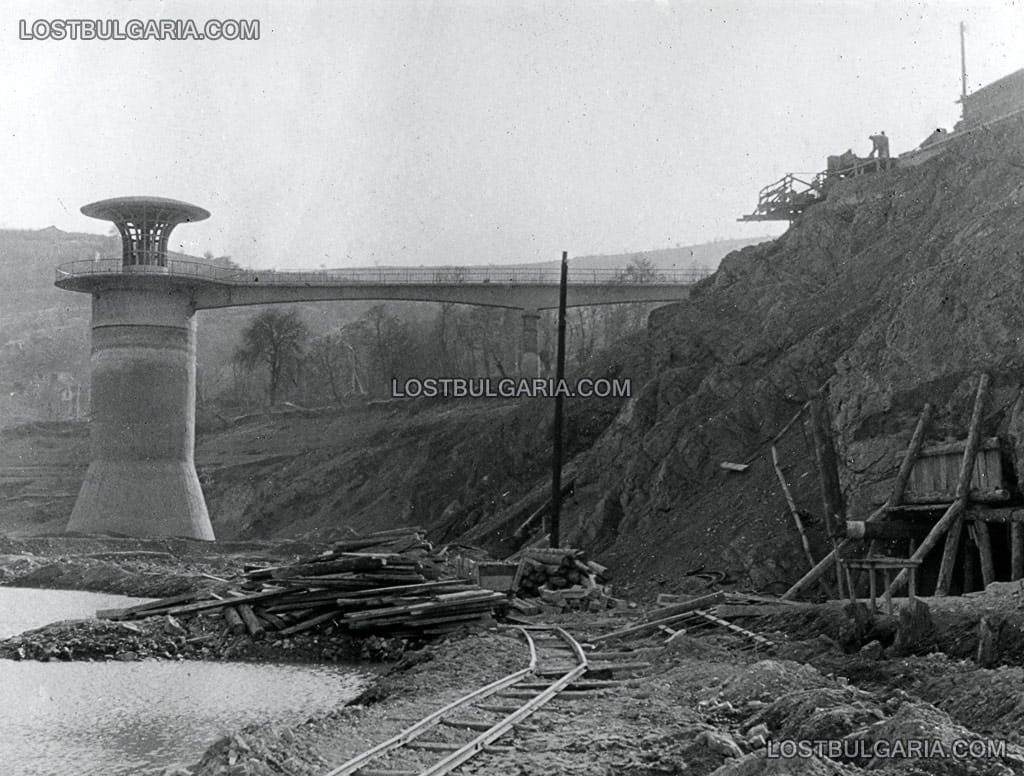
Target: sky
{"points": [[465, 132]]}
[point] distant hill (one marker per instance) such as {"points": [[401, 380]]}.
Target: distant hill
{"points": [[44, 331], [682, 257]]}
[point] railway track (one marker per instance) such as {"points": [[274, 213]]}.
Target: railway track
{"points": [[445, 739]]}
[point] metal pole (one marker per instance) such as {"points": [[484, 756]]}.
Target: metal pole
{"points": [[556, 458], [963, 75]]}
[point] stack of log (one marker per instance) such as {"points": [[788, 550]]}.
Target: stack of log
{"points": [[362, 592], [561, 578]]}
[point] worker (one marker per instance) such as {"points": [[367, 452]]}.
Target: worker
{"points": [[879, 146]]}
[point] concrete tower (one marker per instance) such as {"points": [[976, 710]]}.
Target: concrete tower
{"points": [[142, 477]]}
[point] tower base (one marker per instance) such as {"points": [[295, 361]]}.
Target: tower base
{"points": [[161, 498]]}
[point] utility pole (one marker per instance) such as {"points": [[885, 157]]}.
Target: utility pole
{"points": [[963, 75], [556, 457]]}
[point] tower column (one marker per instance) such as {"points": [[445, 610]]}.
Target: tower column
{"points": [[142, 478], [529, 360]]}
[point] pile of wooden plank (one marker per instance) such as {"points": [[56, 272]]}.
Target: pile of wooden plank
{"points": [[400, 593], [561, 578]]}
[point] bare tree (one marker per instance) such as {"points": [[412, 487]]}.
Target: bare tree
{"points": [[276, 340]]}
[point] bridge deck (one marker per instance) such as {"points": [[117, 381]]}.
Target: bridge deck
{"points": [[511, 287]]}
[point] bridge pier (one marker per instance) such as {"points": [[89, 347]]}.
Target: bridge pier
{"points": [[529, 359], [142, 479]]}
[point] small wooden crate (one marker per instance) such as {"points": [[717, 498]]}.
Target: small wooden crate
{"points": [[496, 576]]}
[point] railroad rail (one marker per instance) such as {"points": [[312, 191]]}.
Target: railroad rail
{"points": [[473, 722]]}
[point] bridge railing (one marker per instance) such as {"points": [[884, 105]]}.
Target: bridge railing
{"points": [[435, 276]]}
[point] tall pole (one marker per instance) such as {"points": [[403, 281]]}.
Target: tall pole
{"points": [[963, 75], [556, 457]]}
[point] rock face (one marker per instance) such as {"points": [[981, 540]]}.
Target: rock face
{"points": [[897, 290]]}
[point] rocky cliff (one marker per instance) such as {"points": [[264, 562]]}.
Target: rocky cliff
{"points": [[895, 291]]}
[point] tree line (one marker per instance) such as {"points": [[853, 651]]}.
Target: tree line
{"points": [[281, 359]]}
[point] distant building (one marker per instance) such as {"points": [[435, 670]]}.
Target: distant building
{"points": [[63, 397], [997, 100]]}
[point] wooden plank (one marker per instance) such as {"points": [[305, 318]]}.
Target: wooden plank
{"points": [[958, 447], [146, 609], [203, 605], [895, 497], [984, 541], [688, 605]]}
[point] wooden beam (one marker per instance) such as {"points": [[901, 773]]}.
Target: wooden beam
{"points": [[691, 606], [963, 486], [899, 486], [792, 507], [984, 541], [1016, 551]]}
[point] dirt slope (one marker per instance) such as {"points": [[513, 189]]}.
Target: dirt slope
{"points": [[897, 289]]}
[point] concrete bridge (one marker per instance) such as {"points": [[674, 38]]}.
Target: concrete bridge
{"points": [[141, 479]]}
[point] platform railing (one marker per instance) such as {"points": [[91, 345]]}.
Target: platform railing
{"points": [[435, 276]]}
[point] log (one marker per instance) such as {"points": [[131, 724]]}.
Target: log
{"points": [[963, 485], [233, 620], [792, 507], [984, 541], [1016, 551], [696, 603], [337, 566], [701, 602], [895, 497], [251, 621], [309, 622], [889, 529]]}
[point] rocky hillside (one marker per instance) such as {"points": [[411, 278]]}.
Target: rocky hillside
{"points": [[895, 291]]}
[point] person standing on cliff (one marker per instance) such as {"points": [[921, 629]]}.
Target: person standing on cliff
{"points": [[879, 146]]}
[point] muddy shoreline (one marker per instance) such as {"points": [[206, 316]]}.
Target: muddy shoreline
{"points": [[703, 704]]}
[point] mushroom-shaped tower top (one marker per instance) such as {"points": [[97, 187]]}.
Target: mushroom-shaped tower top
{"points": [[145, 223]]}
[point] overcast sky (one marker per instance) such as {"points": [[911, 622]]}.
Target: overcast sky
{"points": [[355, 133]]}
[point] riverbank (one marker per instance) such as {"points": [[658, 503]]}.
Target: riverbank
{"points": [[702, 706], [704, 703]]}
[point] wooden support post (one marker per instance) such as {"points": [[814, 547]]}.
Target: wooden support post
{"points": [[984, 540], [871, 587], [950, 553], [1016, 551], [828, 474], [887, 573], [895, 497], [963, 487], [792, 507]]}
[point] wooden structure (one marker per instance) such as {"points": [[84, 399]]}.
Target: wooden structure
{"points": [[933, 478], [956, 494], [886, 565]]}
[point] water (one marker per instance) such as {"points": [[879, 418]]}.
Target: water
{"points": [[115, 719]]}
